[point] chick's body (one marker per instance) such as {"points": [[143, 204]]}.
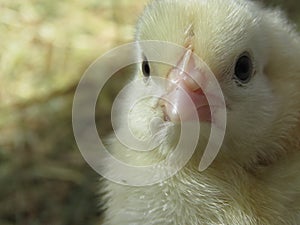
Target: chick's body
{"points": [[256, 177]]}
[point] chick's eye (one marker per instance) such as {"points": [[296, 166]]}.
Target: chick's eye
{"points": [[243, 69], [146, 68]]}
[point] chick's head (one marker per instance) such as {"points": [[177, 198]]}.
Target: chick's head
{"points": [[235, 41]]}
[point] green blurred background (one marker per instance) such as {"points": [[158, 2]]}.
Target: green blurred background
{"points": [[45, 46]]}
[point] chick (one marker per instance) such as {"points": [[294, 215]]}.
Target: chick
{"points": [[253, 52]]}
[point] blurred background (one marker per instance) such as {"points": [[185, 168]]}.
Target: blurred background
{"points": [[45, 47]]}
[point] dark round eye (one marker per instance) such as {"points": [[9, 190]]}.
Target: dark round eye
{"points": [[146, 68], [243, 69]]}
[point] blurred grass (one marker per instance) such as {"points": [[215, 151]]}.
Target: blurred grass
{"points": [[44, 49]]}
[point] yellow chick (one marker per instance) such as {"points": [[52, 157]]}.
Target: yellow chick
{"points": [[254, 54]]}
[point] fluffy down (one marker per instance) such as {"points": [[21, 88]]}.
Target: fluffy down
{"points": [[256, 177]]}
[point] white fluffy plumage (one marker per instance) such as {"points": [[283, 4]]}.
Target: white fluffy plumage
{"points": [[256, 177]]}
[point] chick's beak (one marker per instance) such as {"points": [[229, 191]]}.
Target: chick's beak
{"points": [[188, 78]]}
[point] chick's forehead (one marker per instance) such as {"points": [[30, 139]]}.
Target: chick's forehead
{"points": [[214, 30]]}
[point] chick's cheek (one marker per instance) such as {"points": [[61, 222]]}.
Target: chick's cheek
{"points": [[145, 121], [143, 117]]}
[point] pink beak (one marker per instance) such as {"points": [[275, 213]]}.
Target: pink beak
{"points": [[189, 78]]}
